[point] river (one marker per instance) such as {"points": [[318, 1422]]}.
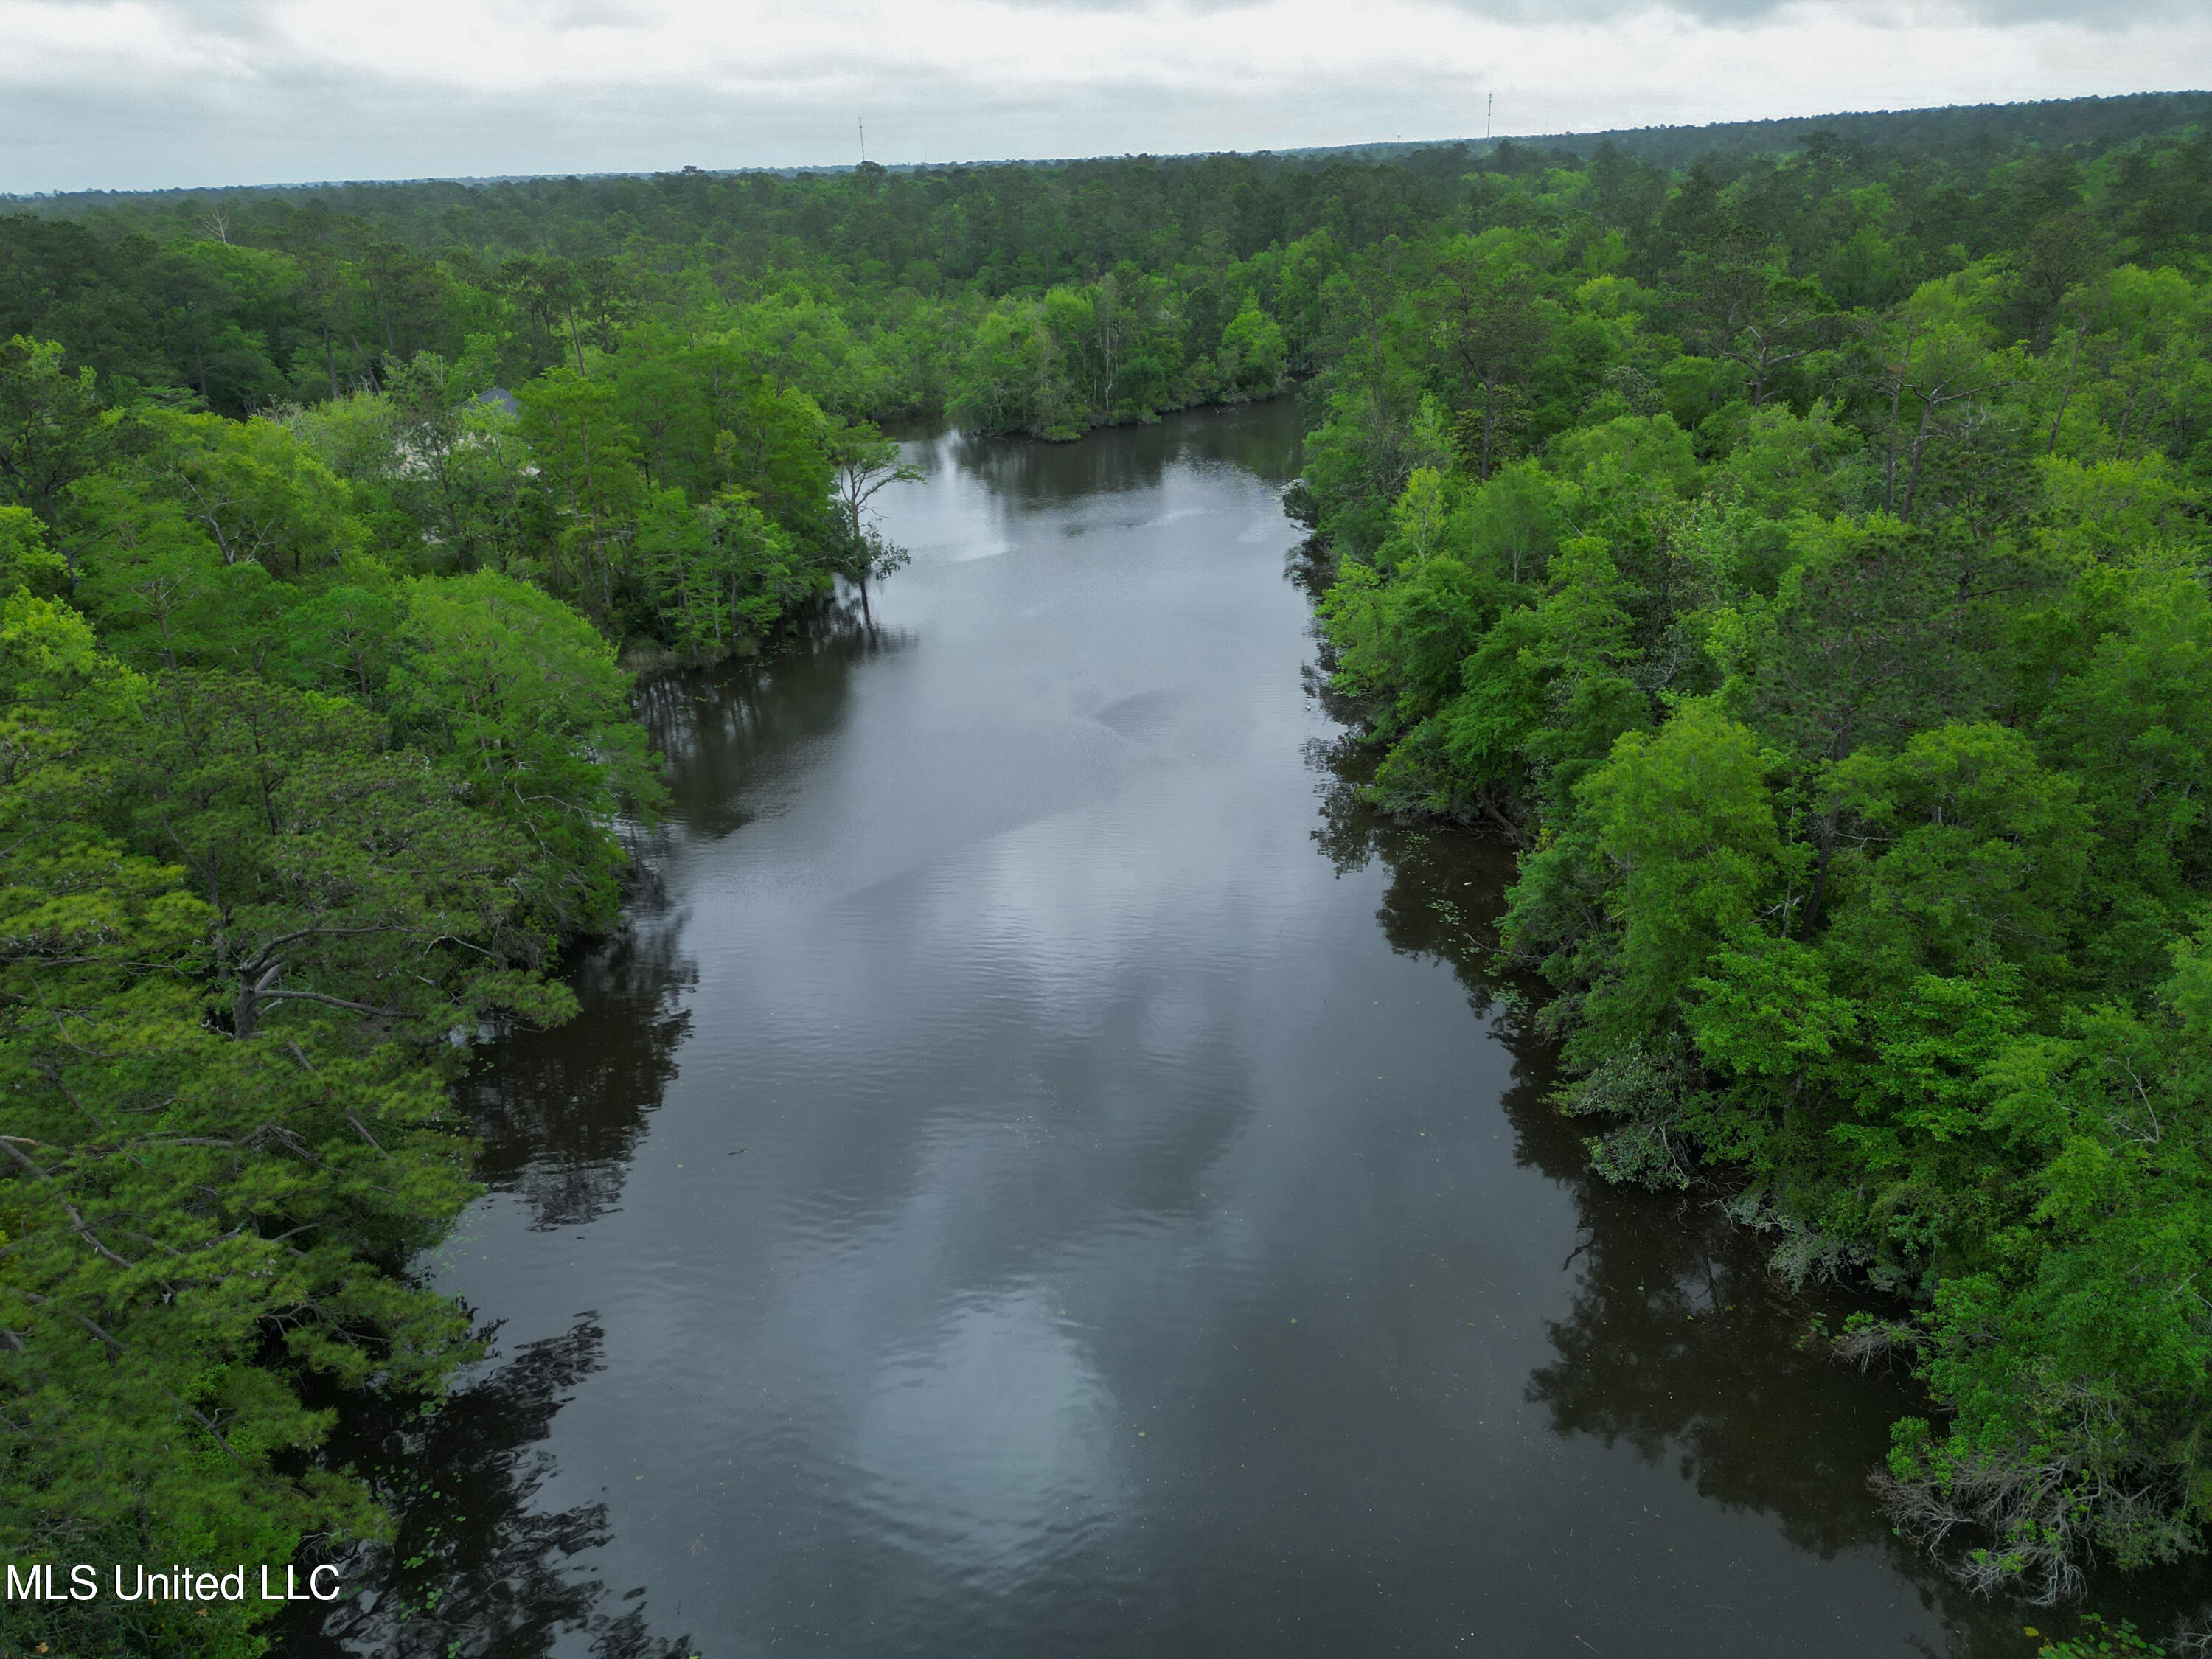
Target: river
{"points": [[1044, 1174]]}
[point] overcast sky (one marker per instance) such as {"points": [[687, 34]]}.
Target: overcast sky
{"points": [[138, 93]]}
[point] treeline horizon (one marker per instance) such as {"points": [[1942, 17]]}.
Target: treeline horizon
{"points": [[2100, 118], [318, 663]]}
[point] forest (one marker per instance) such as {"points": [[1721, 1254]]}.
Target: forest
{"points": [[1798, 553]]}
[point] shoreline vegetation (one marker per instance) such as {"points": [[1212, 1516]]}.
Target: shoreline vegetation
{"points": [[1799, 553], [1804, 562]]}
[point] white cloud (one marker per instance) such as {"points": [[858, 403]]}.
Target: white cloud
{"points": [[125, 94]]}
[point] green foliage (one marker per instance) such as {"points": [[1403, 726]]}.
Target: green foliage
{"points": [[2099, 1638], [1834, 634], [50, 425], [1690, 858], [278, 827], [525, 699], [205, 1206], [1800, 556]]}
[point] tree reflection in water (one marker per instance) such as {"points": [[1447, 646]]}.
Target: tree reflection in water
{"points": [[1036, 477], [1680, 1341], [476, 1570], [560, 1112], [738, 737]]}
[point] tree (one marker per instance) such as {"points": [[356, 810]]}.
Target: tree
{"points": [[1745, 309], [50, 425], [1493, 330], [866, 462], [1253, 356], [336, 872], [1931, 378], [197, 1218], [588, 454], [260, 495], [1685, 819], [527, 700]]}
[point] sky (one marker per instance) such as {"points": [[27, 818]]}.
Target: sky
{"points": [[128, 94]]}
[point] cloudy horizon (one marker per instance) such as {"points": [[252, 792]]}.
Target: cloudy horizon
{"points": [[135, 94]]}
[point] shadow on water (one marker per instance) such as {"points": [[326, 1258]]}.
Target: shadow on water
{"points": [[1672, 1341], [737, 738], [1683, 1343], [1039, 475], [560, 1112], [476, 1569]]}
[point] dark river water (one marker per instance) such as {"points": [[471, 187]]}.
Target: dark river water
{"points": [[1045, 1173]]}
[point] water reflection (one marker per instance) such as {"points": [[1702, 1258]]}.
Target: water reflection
{"points": [[1681, 1344], [738, 738], [1057, 1175], [477, 1567], [559, 1112], [1445, 890], [1036, 477], [974, 1492]]}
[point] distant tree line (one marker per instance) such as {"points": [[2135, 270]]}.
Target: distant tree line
{"points": [[1802, 553]]}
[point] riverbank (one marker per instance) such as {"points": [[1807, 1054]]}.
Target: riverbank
{"points": [[1050, 1161]]}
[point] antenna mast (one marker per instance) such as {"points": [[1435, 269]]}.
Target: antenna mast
{"points": [[864, 140], [1489, 100]]}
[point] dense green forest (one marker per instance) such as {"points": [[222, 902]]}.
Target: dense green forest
{"points": [[1805, 562], [1800, 554]]}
